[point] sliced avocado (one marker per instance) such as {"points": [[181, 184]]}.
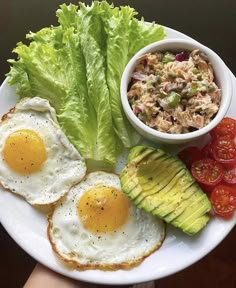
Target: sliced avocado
{"points": [[188, 216], [136, 151], [198, 209], [182, 206], [160, 183], [176, 196], [129, 182], [140, 153], [153, 186], [148, 171], [197, 225], [128, 176], [131, 169], [151, 202], [196, 201]]}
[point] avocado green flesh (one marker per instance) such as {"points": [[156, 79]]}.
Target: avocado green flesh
{"points": [[160, 183], [153, 201], [182, 206], [153, 186], [129, 181], [188, 216], [195, 202], [197, 225], [187, 219], [147, 174], [127, 175], [128, 171], [175, 197], [145, 154], [149, 170], [130, 185], [136, 151]]}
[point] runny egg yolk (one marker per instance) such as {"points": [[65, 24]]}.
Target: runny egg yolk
{"points": [[103, 209], [24, 151]]}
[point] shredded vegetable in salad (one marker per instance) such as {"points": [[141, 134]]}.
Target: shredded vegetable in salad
{"points": [[174, 92]]}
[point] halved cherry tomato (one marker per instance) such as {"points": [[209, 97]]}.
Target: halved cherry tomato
{"points": [[224, 150], [190, 155], [207, 171], [223, 200], [227, 127], [229, 175], [207, 150]]}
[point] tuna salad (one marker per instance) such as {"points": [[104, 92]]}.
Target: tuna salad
{"points": [[174, 92]]}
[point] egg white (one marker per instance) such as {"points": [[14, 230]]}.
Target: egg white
{"points": [[64, 166], [126, 247]]}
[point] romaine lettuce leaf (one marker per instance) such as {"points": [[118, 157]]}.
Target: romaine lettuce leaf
{"points": [[117, 26], [77, 66], [59, 75], [125, 36], [92, 36], [142, 34]]}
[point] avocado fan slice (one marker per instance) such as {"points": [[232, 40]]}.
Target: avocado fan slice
{"points": [[160, 183]]}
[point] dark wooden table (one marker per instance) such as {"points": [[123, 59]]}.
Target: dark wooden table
{"points": [[210, 22]]}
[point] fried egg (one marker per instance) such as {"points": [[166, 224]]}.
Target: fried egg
{"points": [[97, 227], [37, 161]]}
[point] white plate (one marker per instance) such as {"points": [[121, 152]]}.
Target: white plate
{"points": [[27, 227]]}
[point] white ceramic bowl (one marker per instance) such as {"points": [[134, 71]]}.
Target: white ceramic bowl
{"points": [[222, 78]]}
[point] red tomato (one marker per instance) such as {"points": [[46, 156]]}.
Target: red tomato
{"points": [[224, 150], [207, 171], [227, 127], [190, 155], [229, 175], [207, 150], [232, 186], [207, 189], [223, 200]]}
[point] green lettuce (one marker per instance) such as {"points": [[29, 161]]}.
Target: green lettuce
{"points": [[142, 34], [78, 66], [117, 27]]}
